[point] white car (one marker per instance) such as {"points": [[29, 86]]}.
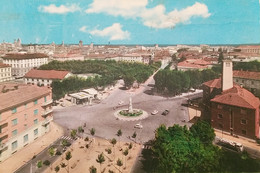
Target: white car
{"points": [[138, 126], [154, 112], [121, 102]]}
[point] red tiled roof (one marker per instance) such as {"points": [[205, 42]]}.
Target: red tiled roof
{"points": [[190, 65], [4, 65], [215, 83], [25, 56], [238, 96], [17, 94], [246, 74], [46, 74]]}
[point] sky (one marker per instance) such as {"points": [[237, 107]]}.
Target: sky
{"points": [[130, 21]]}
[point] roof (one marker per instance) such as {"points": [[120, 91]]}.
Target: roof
{"points": [[238, 96], [215, 83], [13, 94], [25, 56], [249, 47], [46, 74], [246, 74], [187, 64], [4, 65]]}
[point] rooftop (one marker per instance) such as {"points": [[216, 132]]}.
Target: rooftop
{"points": [[246, 74], [4, 65], [215, 83], [25, 56], [46, 74], [13, 94], [238, 96]]}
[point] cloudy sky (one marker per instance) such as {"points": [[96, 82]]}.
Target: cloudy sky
{"points": [[131, 21]]}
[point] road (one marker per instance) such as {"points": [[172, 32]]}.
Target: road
{"points": [[101, 116]]}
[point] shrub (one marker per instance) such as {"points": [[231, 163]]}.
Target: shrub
{"points": [[86, 139], [109, 151], [39, 164], [51, 151], [47, 162], [63, 165], [58, 153], [57, 168]]}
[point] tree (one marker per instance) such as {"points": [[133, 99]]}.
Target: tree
{"points": [[92, 131], [100, 159], [73, 133], [125, 153], [177, 150], [92, 169], [203, 131], [128, 80], [113, 142], [119, 163], [51, 151], [68, 157], [57, 168], [134, 136], [220, 57], [119, 133]]}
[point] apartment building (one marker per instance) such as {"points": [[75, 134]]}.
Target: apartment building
{"points": [[25, 114], [5, 72], [249, 80], [44, 77], [22, 63]]}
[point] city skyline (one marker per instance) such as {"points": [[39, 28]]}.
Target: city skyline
{"points": [[133, 22]]}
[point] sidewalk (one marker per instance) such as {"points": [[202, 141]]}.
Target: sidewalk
{"points": [[25, 154], [245, 142]]}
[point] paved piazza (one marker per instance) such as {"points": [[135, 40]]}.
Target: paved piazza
{"points": [[101, 116]]}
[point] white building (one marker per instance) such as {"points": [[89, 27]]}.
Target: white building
{"points": [[5, 72], [22, 63], [44, 77]]}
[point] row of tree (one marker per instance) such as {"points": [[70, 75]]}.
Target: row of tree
{"points": [[175, 82], [107, 74]]}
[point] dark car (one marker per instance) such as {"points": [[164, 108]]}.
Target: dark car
{"points": [[165, 112]]}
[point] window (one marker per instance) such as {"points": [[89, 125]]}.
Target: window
{"points": [[35, 121], [236, 80], [252, 82], [14, 110], [14, 122], [25, 126], [243, 121], [35, 132], [35, 102], [25, 105], [220, 116], [220, 126], [45, 99], [14, 145], [35, 112], [244, 132], [243, 111], [14, 132], [25, 116], [220, 106], [228, 64], [25, 138]]}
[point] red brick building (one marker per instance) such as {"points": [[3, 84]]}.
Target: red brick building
{"points": [[232, 108]]}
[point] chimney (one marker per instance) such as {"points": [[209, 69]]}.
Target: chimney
{"points": [[227, 74]]}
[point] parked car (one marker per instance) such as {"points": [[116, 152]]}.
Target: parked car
{"points": [[165, 112], [121, 102], [138, 126], [154, 112]]}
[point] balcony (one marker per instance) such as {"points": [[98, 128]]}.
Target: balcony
{"points": [[46, 112], [45, 122], [3, 146], [4, 132], [47, 103]]}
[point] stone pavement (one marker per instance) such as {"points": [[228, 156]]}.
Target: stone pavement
{"points": [[25, 154], [244, 141]]}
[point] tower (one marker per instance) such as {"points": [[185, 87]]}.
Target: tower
{"points": [[227, 74]]}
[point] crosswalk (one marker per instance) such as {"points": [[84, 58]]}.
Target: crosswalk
{"points": [[68, 138]]}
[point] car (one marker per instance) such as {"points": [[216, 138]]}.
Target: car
{"points": [[154, 112], [165, 112], [138, 126], [120, 102]]}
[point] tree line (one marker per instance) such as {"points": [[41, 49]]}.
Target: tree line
{"points": [[174, 82], [108, 72]]}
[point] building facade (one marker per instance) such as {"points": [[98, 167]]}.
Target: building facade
{"points": [[25, 114], [44, 77], [22, 63], [5, 72], [249, 80]]}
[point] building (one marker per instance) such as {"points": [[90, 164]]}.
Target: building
{"points": [[249, 80], [44, 77], [193, 64], [249, 49], [22, 63], [5, 72], [25, 114], [233, 109]]}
